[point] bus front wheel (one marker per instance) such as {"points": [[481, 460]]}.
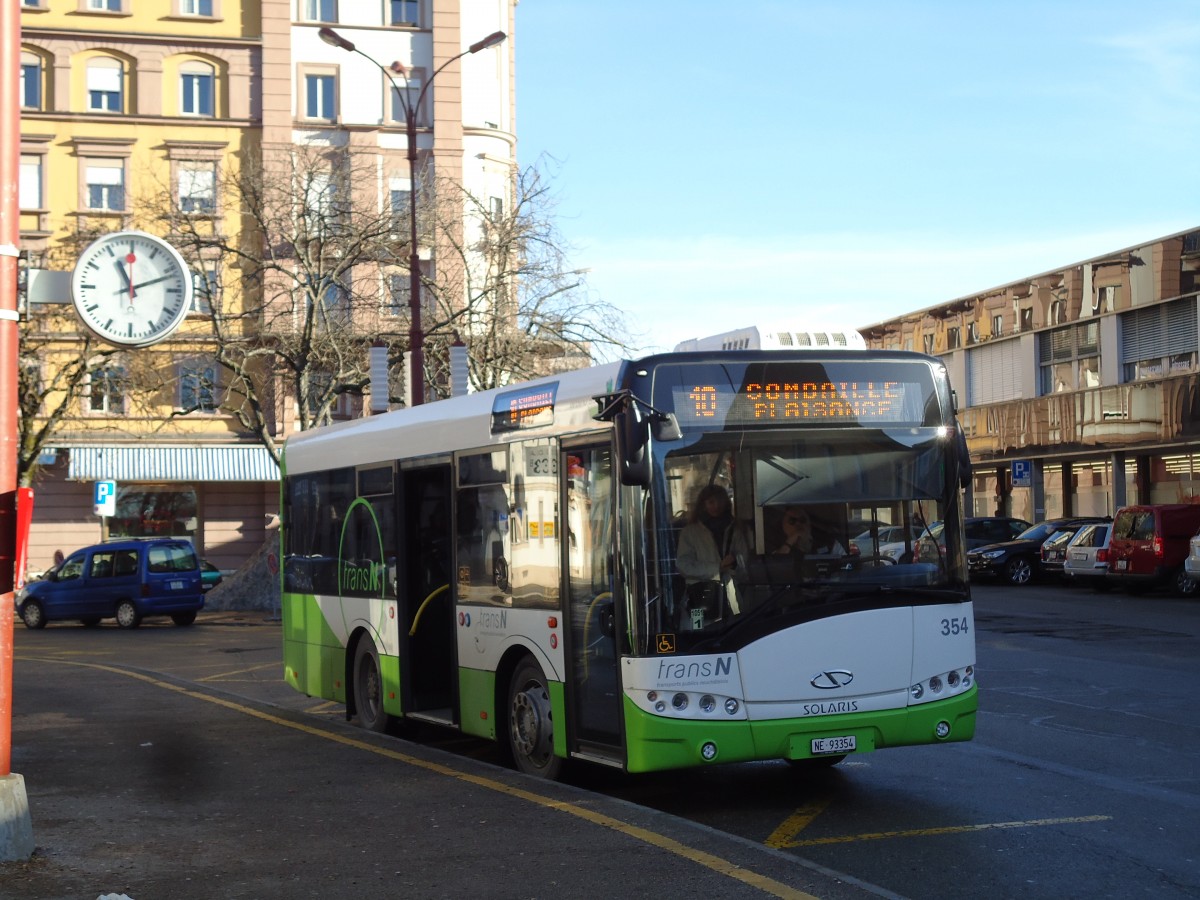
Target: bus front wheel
{"points": [[530, 723], [368, 689]]}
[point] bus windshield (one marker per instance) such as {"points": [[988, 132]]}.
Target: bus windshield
{"points": [[774, 526]]}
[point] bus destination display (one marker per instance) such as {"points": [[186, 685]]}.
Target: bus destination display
{"points": [[530, 407], [775, 400]]}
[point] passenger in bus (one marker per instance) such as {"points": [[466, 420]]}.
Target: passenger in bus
{"points": [[709, 547], [798, 536]]}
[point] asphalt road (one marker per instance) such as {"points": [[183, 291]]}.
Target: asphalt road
{"points": [[1082, 780]]}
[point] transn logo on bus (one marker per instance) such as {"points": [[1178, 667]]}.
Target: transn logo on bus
{"points": [[361, 578]]}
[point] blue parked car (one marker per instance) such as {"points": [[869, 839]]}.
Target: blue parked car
{"points": [[126, 580]]}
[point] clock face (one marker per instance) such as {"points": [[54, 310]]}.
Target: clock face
{"points": [[132, 289]]}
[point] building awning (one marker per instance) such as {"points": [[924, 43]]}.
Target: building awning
{"points": [[196, 463]]}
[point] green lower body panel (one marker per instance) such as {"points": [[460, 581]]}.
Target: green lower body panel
{"points": [[657, 742], [477, 694]]}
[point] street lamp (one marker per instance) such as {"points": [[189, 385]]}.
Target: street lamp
{"points": [[416, 337]]}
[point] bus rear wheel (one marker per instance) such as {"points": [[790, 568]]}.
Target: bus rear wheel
{"points": [[368, 689], [530, 723]]}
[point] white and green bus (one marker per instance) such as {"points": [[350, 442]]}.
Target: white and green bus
{"points": [[507, 563]]}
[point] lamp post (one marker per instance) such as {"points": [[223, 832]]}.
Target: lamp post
{"points": [[416, 336]]}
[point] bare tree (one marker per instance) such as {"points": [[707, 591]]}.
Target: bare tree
{"points": [[306, 253], [65, 371], [511, 294]]}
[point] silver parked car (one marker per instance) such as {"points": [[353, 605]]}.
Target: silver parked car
{"points": [[1086, 560], [1191, 565]]}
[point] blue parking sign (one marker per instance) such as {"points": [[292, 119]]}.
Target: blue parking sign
{"points": [[1022, 473], [104, 498]]}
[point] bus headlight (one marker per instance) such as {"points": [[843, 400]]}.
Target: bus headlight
{"points": [[946, 684]]}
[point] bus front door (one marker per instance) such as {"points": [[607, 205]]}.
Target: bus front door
{"points": [[589, 549], [428, 663]]}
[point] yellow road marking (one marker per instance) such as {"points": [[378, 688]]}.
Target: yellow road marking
{"points": [[715, 863], [270, 665], [928, 832], [797, 822]]}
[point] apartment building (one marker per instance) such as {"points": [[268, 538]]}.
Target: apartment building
{"points": [[1077, 387], [133, 106]]}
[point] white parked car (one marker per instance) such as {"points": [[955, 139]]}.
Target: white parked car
{"points": [[1191, 565], [891, 542], [1086, 561]]}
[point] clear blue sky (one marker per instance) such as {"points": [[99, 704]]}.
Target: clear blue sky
{"points": [[787, 163]]}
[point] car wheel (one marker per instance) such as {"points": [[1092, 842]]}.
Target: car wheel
{"points": [[1019, 570], [89, 621], [183, 619], [128, 615], [33, 615], [531, 723], [1185, 584], [368, 689]]}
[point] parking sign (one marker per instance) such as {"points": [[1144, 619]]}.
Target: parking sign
{"points": [[104, 498], [1022, 473]]}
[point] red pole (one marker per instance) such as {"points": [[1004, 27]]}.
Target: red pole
{"points": [[10, 235]]}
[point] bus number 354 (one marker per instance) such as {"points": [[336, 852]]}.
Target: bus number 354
{"points": [[954, 626]]}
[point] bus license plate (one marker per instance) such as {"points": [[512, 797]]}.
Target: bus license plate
{"points": [[843, 744]]}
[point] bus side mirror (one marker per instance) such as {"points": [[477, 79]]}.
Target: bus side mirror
{"points": [[633, 434]]}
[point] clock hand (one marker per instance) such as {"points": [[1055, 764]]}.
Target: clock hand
{"points": [[130, 259], [142, 284], [124, 275]]}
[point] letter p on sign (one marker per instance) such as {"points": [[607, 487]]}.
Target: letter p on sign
{"points": [[104, 498]]}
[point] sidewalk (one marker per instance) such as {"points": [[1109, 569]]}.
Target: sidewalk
{"points": [[154, 787]]}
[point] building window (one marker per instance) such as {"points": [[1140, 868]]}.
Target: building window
{"points": [[198, 388], [318, 10], [927, 342], [404, 12], [400, 203], [1058, 312], [30, 189], [105, 184], [197, 82], [105, 78], [994, 373], [1106, 299], [106, 391], [319, 97], [31, 81], [398, 294], [196, 8], [1158, 341], [1025, 319], [408, 97], [206, 286], [953, 338], [197, 187], [1068, 358], [104, 5]]}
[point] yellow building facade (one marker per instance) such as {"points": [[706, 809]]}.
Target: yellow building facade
{"points": [[130, 109]]}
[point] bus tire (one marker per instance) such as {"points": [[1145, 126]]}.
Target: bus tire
{"points": [[530, 722], [368, 689]]}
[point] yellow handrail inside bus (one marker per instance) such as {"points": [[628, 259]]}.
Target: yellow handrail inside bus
{"points": [[605, 595], [421, 609]]}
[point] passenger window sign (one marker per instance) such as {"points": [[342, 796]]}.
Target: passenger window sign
{"points": [[104, 498]]}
